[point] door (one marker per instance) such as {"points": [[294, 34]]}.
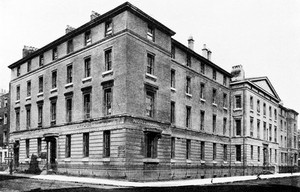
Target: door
{"points": [[266, 155], [16, 154], [53, 153]]}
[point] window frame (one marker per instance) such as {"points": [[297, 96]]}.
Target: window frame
{"points": [[88, 38], [69, 73], [150, 63], [108, 59], [86, 144], [87, 67], [106, 143], [68, 147]]}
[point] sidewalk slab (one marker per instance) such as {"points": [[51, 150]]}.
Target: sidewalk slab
{"points": [[173, 183]]}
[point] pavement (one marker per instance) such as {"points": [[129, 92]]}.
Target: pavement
{"points": [[173, 183]]}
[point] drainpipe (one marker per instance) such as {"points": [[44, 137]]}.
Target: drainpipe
{"points": [[230, 134], [244, 131]]}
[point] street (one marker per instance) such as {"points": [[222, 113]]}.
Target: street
{"points": [[14, 184]]}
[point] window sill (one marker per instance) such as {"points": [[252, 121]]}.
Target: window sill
{"points": [[150, 160], [188, 95], [225, 162], [85, 159], [225, 108], [214, 104], [202, 100], [41, 94], [87, 79], [238, 109], [251, 111], [105, 159], [150, 76], [202, 162], [258, 113], [68, 85], [173, 161], [28, 98], [264, 116], [27, 159], [67, 159], [173, 89], [214, 162], [106, 73], [17, 102], [39, 159], [53, 90]]}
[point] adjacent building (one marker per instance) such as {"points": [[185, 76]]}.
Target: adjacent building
{"points": [[4, 124], [119, 97]]}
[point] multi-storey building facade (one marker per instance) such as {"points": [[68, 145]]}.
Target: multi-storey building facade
{"points": [[118, 97], [4, 125]]}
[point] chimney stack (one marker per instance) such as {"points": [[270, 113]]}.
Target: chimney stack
{"points": [[191, 43], [206, 52], [237, 73], [69, 29], [27, 50], [94, 15]]}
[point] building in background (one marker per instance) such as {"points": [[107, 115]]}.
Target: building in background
{"points": [[119, 97], [4, 124]]}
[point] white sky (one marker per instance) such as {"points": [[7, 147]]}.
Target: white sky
{"points": [[262, 35]]}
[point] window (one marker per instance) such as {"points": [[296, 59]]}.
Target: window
{"points": [[275, 155], [258, 154], [172, 147], [214, 74], [28, 116], [258, 128], [108, 60], [5, 119], [225, 152], [108, 28], [41, 60], [188, 117], [258, 106], [173, 52], [28, 88], [188, 60], [41, 84], [87, 38], [251, 152], [29, 66], [251, 127], [265, 131], [69, 104], [238, 102], [173, 78], [18, 93], [53, 111], [238, 151], [225, 100], [202, 68], [107, 101], [18, 119], [87, 67], [86, 144], [68, 146], [224, 125], [27, 147], [150, 33], [149, 103], [264, 108], [214, 123], [251, 103], [70, 47], [106, 144], [270, 134], [275, 114], [40, 114], [5, 102], [224, 80], [54, 53], [270, 155], [202, 117], [188, 85], [202, 150], [281, 125], [87, 105], [151, 145], [270, 111], [172, 112], [39, 146], [295, 142], [150, 64], [202, 90], [54, 79], [69, 73], [238, 127], [214, 151], [188, 149], [18, 71], [275, 134], [214, 95]]}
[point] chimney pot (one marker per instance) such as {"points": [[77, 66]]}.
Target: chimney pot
{"points": [[191, 42], [206, 52], [94, 15], [69, 29], [27, 50]]}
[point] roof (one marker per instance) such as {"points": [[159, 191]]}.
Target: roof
{"points": [[201, 58], [121, 8]]}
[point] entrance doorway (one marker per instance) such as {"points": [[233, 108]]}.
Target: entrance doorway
{"points": [[16, 153], [51, 140], [266, 155]]}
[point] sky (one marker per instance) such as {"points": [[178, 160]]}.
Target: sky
{"points": [[261, 35]]}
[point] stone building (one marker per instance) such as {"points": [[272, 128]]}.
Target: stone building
{"points": [[4, 124], [119, 97]]}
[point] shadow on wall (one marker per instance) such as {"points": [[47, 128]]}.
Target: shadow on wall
{"points": [[34, 165]]}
